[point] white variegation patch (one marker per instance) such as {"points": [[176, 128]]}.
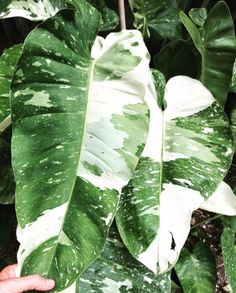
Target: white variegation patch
{"points": [[222, 201], [107, 99], [34, 10]]}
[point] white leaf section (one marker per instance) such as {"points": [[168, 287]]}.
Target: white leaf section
{"points": [[190, 97], [109, 99], [34, 10], [176, 206], [35, 233], [222, 201]]}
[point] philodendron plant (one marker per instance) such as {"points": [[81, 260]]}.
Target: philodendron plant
{"points": [[110, 159]]}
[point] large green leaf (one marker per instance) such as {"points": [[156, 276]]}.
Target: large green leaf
{"points": [[229, 255], [117, 271], [198, 15], [159, 15], [187, 154], [177, 58], [7, 65], [196, 271], [33, 9], [217, 46], [79, 123]]}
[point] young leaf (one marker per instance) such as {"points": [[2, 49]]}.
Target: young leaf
{"points": [[117, 271], [7, 65], [80, 122], [229, 255], [198, 15], [34, 10], [217, 45], [160, 15], [187, 154], [196, 271]]}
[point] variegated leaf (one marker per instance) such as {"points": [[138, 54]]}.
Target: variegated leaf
{"points": [[34, 10], [188, 152], [7, 65], [80, 122], [117, 271]]}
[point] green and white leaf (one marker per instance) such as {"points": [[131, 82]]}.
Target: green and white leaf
{"points": [[229, 255], [233, 80], [217, 46], [4, 4], [160, 15], [81, 121], [197, 270], [34, 10], [222, 201], [187, 154], [117, 271], [8, 61]]}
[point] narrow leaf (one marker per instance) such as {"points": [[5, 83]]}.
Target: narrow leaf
{"points": [[159, 15], [229, 255], [196, 271], [117, 271], [187, 154], [83, 121]]}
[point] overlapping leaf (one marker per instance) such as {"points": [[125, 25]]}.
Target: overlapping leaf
{"points": [[217, 46], [7, 64], [196, 271], [187, 154], [159, 15], [117, 271], [80, 122]]}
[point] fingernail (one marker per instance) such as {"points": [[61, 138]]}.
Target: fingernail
{"points": [[50, 283]]}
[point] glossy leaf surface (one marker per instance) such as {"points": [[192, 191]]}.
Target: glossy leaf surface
{"points": [[187, 154], [196, 271], [217, 45], [198, 15], [83, 120]]}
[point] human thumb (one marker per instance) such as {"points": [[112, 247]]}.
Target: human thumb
{"points": [[19, 285]]}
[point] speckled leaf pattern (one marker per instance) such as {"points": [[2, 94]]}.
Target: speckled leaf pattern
{"points": [[229, 255], [117, 271], [80, 122], [162, 16], [7, 64], [34, 10], [217, 45], [188, 152], [196, 271], [233, 80]]}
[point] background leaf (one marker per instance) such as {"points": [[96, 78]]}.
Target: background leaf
{"points": [[159, 15], [217, 45], [177, 58], [196, 271], [117, 271], [7, 65], [229, 255], [4, 4], [198, 15]]}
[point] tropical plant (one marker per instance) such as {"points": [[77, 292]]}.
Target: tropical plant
{"points": [[110, 140]]}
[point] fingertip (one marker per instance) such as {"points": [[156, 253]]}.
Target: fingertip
{"points": [[50, 283]]}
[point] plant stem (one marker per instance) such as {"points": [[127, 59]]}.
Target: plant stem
{"points": [[205, 3], [122, 14], [206, 221]]}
